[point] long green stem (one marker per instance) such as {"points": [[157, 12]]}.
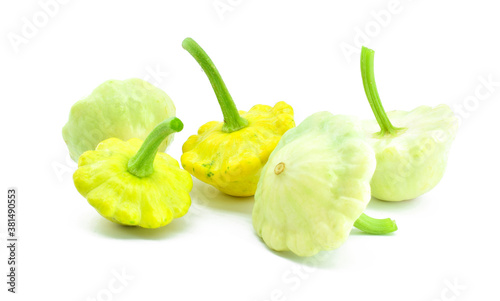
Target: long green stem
{"points": [[141, 164], [368, 75], [375, 226], [232, 119]]}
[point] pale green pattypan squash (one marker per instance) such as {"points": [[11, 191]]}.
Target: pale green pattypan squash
{"points": [[117, 109], [315, 186], [411, 147]]}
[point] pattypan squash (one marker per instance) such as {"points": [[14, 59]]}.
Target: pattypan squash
{"points": [[411, 147], [315, 187], [116, 109], [229, 155], [130, 183]]}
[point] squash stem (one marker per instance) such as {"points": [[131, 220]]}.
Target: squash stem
{"points": [[376, 226], [141, 164], [368, 75], [232, 119]]}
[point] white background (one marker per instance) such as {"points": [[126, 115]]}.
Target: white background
{"points": [[427, 52]]}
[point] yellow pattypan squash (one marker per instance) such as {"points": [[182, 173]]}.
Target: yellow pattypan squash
{"points": [[230, 155], [129, 183]]}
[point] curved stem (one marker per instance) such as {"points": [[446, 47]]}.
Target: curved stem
{"points": [[232, 119], [368, 75], [141, 164], [375, 226]]}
